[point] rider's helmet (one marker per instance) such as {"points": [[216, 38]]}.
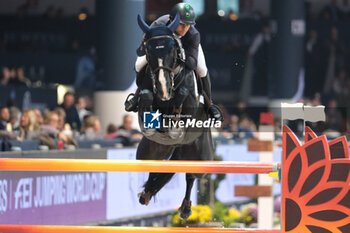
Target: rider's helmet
{"points": [[185, 11]]}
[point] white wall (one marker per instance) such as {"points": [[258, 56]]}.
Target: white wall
{"points": [[70, 6]]}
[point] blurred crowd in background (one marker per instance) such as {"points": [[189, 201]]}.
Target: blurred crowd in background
{"points": [[68, 123], [326, 63]]}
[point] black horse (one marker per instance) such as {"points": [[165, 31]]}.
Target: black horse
{"points": [[166, 79]]}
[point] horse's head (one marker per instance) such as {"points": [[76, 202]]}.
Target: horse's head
{"points": [[161, 53]]}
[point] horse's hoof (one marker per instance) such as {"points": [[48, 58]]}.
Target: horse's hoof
{"points": [[176, 133], [149, 132], [186, 213], [144, 197], [185, 209]]}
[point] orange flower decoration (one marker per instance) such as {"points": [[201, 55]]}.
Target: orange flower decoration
{"points": [[315, 184]]}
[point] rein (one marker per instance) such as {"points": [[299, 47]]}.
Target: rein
{"points": [[176, 78]]}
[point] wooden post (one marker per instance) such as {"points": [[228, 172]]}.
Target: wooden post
{"points": [[265, 204]]}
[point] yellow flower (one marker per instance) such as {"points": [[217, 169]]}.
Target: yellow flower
{"points": [[193, 217], [176, 219], [200, 214], [234, 213], [205, 213]]}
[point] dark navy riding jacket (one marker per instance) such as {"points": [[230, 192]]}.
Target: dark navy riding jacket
{"points": [[190, 42]]}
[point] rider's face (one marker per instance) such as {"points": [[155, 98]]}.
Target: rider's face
{"points": [[182, 29]]}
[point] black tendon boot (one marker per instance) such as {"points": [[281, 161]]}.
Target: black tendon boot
{"points": [[179, 99], [212, 109]]}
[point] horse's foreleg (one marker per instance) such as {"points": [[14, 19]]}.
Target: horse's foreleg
{"points": [[185, 209], [155, 182], [149, 150]]}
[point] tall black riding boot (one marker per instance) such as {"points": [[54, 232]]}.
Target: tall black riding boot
{"points": [[131, 104], [212, 109]]}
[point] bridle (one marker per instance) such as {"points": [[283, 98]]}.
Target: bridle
{"points": [[176, 78]]}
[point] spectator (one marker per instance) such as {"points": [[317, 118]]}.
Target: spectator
{"points": [[62, 125], [259, 50], [315, 64], [239, 128], [6, 76], [49, 130], [22, 78], [6, 132], [72, 116], [231, 130], [29, 128], [112, 131], [89, 103], [246, 128], [226, 115], [341, 88], [18, 78], [277, 127], [334, 119], [81, 107], [92, 128], [339, 84], [127, 130], [85, 76], [15, 115], [345, 8], [316, 101], [331, 12], [12, 74], [50, 126], [337, 48], [241, 109], [4, 119], [38, 116]]}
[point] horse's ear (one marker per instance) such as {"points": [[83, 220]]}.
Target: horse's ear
{"points": [[175, 23], [142, 24]]}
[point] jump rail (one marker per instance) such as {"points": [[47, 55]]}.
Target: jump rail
{"points": [[99, 229], [99, 165], [314, 174]]}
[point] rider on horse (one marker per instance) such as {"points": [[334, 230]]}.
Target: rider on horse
{"points": [[193, 58]]}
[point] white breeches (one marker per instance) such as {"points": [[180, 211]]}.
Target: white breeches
{"points": [[140, 63], [201, 65]]}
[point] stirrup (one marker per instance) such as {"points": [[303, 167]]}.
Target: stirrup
{"points": [[130, 104]]}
